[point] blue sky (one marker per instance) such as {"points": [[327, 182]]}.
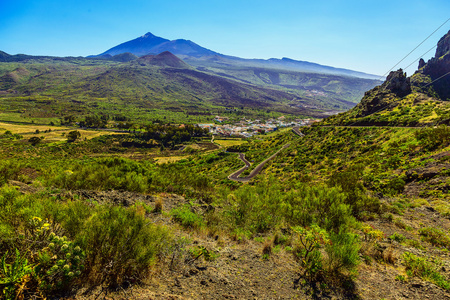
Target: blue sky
{"points": [[364, 35]]}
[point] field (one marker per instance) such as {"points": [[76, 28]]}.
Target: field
{"points": [[50, 134], [228, 142]]}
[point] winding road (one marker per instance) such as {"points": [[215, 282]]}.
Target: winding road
{"points": [[235, 176], [297, 131]]}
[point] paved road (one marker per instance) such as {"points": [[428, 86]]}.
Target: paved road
{"points": [[235, 175], [297, 131]]}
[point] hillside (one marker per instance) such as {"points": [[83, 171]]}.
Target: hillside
{"points": [[419, 100], [322, 86], [372, 202], [160, 86]]}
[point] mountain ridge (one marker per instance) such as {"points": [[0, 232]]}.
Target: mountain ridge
{"points": [[197, 55]]}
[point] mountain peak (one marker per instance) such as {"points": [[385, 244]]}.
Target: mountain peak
{"points": [[151, 44], [139, 46], [148, 35]]}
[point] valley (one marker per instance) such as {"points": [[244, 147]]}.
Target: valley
{"points": [[116, 184]]}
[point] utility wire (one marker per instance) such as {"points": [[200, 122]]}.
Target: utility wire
{"points": [[420, 57], [435, 80], [415, 48]]}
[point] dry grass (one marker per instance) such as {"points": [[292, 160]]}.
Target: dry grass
{"points": [[390, 255], [229, 142], [158, 205], [267, 248], [21, 129], [50, 133], [168, 159]]}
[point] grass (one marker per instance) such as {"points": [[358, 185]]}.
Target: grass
{"points": [[19, 117], [51, 134], [22, 128], [229, 142], [168, 159]]}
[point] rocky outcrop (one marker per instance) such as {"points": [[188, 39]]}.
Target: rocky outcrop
{"points": [[398, 83], [438, 68], [421, 63], [443, 46]]}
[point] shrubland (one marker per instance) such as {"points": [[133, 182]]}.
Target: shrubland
{"points": [[320, 199]]}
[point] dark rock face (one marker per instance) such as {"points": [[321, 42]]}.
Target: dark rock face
{"points": [[443, 46], [398, 83], [421, 63], [438, 68]]}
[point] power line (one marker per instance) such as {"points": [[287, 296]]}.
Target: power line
{"points": [[420, 57], [415, 48], [435, 80]]}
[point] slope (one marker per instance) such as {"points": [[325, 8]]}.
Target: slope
{"points": [[165, 77], [160, 86], [419, 100], [332, 87]]}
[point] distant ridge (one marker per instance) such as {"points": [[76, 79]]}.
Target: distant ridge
{"points": [[198, 56], [183, 48]]}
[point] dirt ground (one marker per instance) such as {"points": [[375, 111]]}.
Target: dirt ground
{"points": [[239, 269]]}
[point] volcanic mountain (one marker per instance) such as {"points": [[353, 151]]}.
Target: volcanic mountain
{"points": [[199, 56], [151, 44], [139, 46]]}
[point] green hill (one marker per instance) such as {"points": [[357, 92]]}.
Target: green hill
{"points": [[157, 85]]}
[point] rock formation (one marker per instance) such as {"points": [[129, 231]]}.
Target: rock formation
{"points": [[398, 83], [437, 69]]}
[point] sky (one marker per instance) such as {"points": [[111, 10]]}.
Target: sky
{"points": [[364, 35]]}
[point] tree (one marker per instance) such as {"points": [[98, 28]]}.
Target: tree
{"points": [[72, 136], [35, 140]]}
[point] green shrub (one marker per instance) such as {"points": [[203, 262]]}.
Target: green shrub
{"points": [[120, 244], [14, 276], [187, 218], [343, 252], [321, 205], [426, 270], [351, 184], [45, 262], [9, 170], [198, 251], [117, 243], [57, 260], [433, 138], [102, 174], [397, 237], [435, 236], [308, 242], [72, 136]]}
